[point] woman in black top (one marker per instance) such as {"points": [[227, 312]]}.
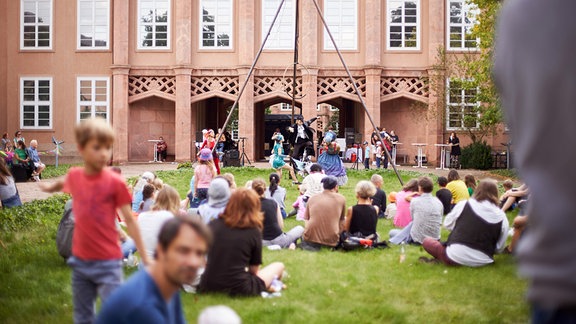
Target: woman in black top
{"points": [[455, 152], [236, 255], [361, 219], [273, 222]]}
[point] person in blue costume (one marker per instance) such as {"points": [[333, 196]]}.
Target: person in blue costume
{"points": [[277, 158], [330, 160]]}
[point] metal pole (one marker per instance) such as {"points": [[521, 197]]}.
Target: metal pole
{"points": [[235, 105], [296, 36], [356, 88]]}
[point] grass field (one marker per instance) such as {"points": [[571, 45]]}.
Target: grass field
{"points": [[327, 287]]}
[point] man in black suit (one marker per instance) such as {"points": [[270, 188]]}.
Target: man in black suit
{"points": [[301, 136]]}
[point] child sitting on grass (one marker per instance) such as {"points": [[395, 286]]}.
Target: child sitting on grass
{"points": [[299, 206], [391, 208], [97, 192]]}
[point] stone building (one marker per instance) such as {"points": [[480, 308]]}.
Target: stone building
{"points": [[173, 67]]}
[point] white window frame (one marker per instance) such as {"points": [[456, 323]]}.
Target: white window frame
{"points": [[140, 26], [201, 28], [403, 24], [328, 46], [285, 106], [334, 108], [467, 8], [36, 102], [93, 102], [36, 25], [93, 25], [274, 41], [462, 104]]}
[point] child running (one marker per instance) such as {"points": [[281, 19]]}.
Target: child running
{"points": [[98, 193]]}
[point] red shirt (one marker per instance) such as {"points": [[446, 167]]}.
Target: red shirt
{"points": [[95, 201]]}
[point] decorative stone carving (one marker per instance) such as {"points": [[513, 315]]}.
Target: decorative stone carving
{"points": [[392, 87], [140, 87], [202, 87], [333, 87]]}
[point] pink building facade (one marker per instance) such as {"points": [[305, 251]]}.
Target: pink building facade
{"points": [[174, 67]]}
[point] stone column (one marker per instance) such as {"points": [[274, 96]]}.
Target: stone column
{"points": [[120, 112], [183, 116], [436, 31], [372, 100], [183, 24], [246, 32], [246, 115], [120, 70], [373, 32], [309, 34]]}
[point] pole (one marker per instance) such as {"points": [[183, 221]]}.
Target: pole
{"points": [[355, 87], [296, 36], [235, 105]]}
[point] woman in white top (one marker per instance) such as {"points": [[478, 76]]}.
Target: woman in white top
{"points": [[166, 206]]}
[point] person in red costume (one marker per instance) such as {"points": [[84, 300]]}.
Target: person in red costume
{"points": [[209, 143]]}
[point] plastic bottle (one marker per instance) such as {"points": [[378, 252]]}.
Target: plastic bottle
{"points": [[402, 253]]}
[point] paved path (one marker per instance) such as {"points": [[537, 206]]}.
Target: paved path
{"points": [[29, 190]]}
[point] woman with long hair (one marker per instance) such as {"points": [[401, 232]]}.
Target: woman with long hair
{"points": [[204, 172], [479, 229], [455, 151], [457, 187], [8, 193], [165, 207], [238, 246], [403, 198], [276, 192], [470, 182]]}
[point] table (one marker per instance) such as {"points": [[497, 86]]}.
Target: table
{"points": [[442, 156], [419, 155], [394, 152], [155, 150]]}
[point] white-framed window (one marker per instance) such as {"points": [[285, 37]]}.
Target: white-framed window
{"points": [[282, 34], [93, 97], [153, 24], [403, 24], [36, 102], [461, 105], [36, 24], [334, 108], [285, 106], [216, 24], [342, 19], [461, 19], [93, 24]]}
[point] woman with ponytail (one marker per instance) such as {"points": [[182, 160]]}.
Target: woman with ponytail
{"points": [[274, 191]]}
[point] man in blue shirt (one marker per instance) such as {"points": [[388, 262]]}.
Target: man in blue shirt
{"points": [[151, 296], [33, 154]]}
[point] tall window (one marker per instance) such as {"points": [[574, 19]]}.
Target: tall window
{"points": [[342, 19], [93, 97], [462, 105], [216, 24], [153, 24], [461, 18], [403, 24], [36, 103], [36, 24], [93, 22], [282, 34]]}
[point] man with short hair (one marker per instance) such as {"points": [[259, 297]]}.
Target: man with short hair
{"points": [[151, 296], [301, 135], [38, 165], [444, 194], [325, 214], [312, 183]]}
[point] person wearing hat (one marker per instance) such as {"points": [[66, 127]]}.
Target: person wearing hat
{"points": [[277, 158], [218, 196], [203, 174], [210, 143], [325, 215], [301, 136]]}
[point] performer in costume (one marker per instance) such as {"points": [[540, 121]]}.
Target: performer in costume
{"points": [[277, 158], [330, 160], [301, 137], [210, 142]]}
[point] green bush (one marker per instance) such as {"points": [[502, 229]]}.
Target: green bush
{"points": [[33, 213], [477, 156], [184, 165]]}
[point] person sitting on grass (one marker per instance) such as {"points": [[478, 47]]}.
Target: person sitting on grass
{"points": [[9, 196], [147, 198], [237, 246], [276, 192], [325, 215], [361, 219], [444, 194], [152, 295], [97, 194], [312, 183], [137, 195], [218, 197], [379, 198], [273, 222], [479, 229], [470, 182], [510, 199], [457, 187], [299, 206], [426, 211], [403, 198], [391, 208]]}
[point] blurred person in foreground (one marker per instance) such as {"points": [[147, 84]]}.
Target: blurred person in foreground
{"points": [[535, 71]]}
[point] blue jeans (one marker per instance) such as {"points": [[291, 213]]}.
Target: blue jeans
{"points": [[90, 279], [13, 201], [220, 147], [367, 163], [397, 236], [128, 246], [378, 160], [283, 212]]}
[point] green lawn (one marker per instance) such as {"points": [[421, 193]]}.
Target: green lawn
{"points": [[327, 287]]}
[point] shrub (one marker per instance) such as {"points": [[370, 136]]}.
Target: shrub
{"points": [[477, 156], [184, 165], [35, 212]]}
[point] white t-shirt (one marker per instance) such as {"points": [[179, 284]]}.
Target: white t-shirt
{"points": [[150, 223]]}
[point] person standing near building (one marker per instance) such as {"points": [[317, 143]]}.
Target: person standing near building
{"points": [[161, 150], [455, 151], [5, 140]]}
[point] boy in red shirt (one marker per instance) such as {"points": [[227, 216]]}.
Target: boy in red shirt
{"points": [[97, 194]]}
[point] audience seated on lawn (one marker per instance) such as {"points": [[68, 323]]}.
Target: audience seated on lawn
{"points": [[426, 211], [444, 194], [362, 218], [510, 199], [238, 246], [457, 187], [273, 222], [325, 215], [479, 229], [379, 198], [403, 198], [8, 193]]}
